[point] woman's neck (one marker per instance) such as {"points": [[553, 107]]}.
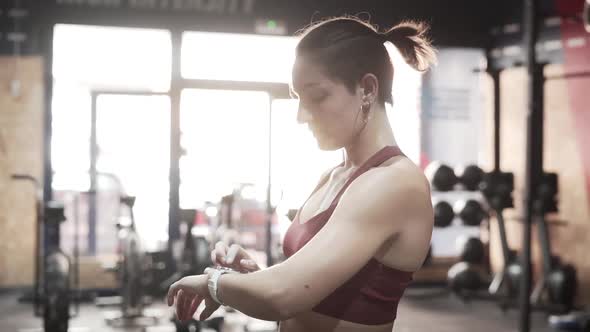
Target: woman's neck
{"points": [[376, 135]]}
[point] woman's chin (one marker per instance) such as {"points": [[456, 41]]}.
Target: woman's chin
{"points": [[326, 146], [320, 144]]}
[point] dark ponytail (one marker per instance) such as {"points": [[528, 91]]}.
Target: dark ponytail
{"points": [[348, 48], [410, 39]]}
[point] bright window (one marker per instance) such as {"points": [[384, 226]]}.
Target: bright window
{"points": [[237, 57], [89, 58]]}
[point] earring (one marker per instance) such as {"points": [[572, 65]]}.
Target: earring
{"points": [[366, 108]]}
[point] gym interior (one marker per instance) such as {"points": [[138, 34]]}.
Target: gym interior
{"points": [[121, 123]]}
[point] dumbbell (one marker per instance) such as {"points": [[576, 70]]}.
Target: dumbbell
{"points": [[470, 211], [471, 176], [464, 276], [443, 214], [561, 282], [562, 285], [443, 177], [472, 250]]}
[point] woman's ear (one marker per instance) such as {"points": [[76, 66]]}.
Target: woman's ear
{"points": [[369, 85]]}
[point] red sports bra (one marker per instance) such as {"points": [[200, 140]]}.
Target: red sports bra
{"points": [[371, 296]]}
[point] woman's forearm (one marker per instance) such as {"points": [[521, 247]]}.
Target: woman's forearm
{"points": [[254, 294]]}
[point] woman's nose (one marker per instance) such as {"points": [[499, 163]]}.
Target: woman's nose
{"points": [[303, 115]]}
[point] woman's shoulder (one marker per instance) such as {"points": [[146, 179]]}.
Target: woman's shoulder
{"points": [[402, 172], [399, 181], [406, 191], [392, 196]]}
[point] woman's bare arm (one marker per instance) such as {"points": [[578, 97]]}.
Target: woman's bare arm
{"points": [[369, 213]]}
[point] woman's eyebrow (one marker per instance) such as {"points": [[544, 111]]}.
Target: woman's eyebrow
{"points": [[306, 86], [309, 85]]}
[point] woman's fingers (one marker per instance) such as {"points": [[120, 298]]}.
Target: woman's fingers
{"points": [[210, 308], [239, 259], [220, 253], [248, 265], [233, 251], [194, 306], [234, 257], [185, 294], [173, 292], [181, 300]]}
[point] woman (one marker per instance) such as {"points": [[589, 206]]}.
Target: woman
{"points": [[366, 228]]}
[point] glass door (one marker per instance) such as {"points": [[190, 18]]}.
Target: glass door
{"points": [[131, 143], [225, 144]]}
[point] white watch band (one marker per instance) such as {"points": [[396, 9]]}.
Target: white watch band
{"points": [[212, 284]]}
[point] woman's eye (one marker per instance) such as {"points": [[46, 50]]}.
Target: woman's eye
{"points": [[310, 102], [318, 98]]}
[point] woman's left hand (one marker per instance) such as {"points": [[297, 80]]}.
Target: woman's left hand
{"points": [[188, 293]]}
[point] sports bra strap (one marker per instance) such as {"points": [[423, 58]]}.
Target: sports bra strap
{"points": [[377, 159]]}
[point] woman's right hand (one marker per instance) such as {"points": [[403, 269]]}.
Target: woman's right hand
{"points": [[234, 257]]}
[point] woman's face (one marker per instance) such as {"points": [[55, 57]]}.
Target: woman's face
{"points": [[329, 109]]}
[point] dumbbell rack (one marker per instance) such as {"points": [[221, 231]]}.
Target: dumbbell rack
{"points": [[456, 229], [535, 177]]}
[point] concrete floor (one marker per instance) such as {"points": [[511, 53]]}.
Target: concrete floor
{"points": [[442, 313], [446, 313]]}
